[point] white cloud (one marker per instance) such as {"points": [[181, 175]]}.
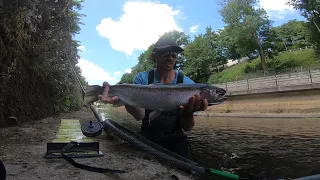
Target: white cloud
{"points": [[276, 5], [141, 25], [118, 73], [82, 48], [276, 8], [193, 29], [94, 74], [128, 70]]}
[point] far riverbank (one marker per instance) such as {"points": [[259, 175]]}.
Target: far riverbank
{"points": [[261, 115]]}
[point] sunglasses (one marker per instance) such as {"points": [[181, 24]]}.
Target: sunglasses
{"points": [[167, 54]]}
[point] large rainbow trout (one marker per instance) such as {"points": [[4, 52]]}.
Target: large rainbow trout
{"points": [[157, 97]]}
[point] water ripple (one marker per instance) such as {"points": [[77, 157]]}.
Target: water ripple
{"points": [[286, 148]]}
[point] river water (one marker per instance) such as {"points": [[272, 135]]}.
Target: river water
{"points": [[256, 147]]}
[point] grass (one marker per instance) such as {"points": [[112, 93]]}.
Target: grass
{"points": [[304, 58], [283, 63]]}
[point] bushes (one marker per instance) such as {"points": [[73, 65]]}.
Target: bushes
{"points": [[284, 62], [304, 58], [230, 74], [36, 46]]}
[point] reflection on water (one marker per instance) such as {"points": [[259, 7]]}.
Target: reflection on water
{"points": [[265, 148]]}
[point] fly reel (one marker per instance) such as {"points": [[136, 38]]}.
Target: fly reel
{"points": [[91, 129]]}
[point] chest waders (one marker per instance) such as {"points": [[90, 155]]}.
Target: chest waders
{"points": [[166, 129]]}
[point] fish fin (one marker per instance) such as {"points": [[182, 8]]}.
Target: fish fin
{"points": [[118, 103], [154, 114]]}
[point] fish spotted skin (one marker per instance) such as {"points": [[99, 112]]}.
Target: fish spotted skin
{"points": [[158, 96]]}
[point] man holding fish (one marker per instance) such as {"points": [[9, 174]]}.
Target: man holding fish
{"points": [[166, 127]]}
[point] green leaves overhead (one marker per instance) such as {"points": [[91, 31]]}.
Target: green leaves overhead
{"points": [[294, 34], [310, 9]]}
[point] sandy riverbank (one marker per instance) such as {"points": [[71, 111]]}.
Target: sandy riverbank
{"points": [[280, 104], [22, 150]]}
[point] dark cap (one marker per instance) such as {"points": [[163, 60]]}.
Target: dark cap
{"points": [[166, 44]]}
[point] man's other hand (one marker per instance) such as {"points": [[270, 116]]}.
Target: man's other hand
{"points": [[104, 96], [195, 104]]}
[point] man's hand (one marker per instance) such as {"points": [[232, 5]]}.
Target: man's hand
{"points": [[104, 97], [195, 104]]}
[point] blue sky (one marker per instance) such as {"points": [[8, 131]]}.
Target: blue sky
{"points": [[115, 32]]}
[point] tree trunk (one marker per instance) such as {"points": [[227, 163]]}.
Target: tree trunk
{"points": [[263, 59], [316, 25]]}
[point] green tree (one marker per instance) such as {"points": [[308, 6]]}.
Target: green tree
{"points": [[227, 41], [294, 34], [310, 9], [127, 78], [37, 50], [204, 53], [248, 26], [237, 43]]}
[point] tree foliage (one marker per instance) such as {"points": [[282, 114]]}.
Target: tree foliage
{"points": [[293, 34], [310, 9], [205, 52], [37, 50], [248, 25]]}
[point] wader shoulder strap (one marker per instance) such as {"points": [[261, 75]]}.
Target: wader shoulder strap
{"points": [[180, 77], [150, 81], [178, 122], [150, 77]]}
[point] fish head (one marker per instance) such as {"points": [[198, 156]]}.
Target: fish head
{"points": [[92, 93], [214, 95]]}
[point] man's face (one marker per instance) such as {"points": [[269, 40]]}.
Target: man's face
{"points": [[165, 60]]}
